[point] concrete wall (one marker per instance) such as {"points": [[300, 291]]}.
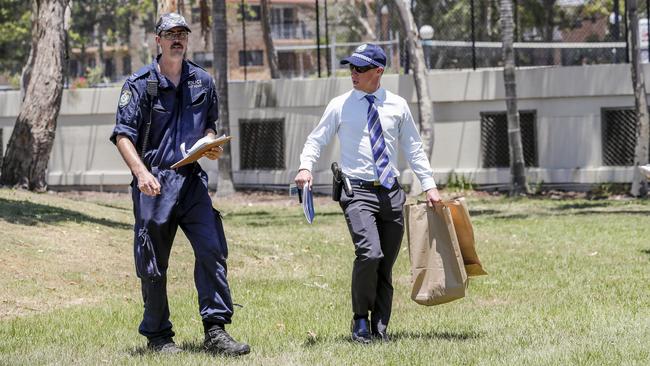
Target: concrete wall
{"points": [[567, 101]]}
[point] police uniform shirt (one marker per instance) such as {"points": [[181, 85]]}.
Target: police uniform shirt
{"points": [[181, 114], [346, 115]]}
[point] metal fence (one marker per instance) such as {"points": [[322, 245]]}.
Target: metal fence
{"points": [[467, 33]]}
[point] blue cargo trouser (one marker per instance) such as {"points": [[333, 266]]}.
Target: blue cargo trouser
{"points": [[184, 202]]}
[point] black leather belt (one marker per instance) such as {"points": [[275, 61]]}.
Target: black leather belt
{"points": [[368, 184]]}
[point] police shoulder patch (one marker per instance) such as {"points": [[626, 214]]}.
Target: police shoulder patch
{"points": [[125, 98]]}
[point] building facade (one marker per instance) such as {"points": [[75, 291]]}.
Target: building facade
{"points": [[292, 30]]}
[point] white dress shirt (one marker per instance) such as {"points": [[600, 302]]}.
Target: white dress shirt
{"points": [[347, 115]]}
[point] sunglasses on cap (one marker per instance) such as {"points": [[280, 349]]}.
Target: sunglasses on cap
{"points": [[362, 69]]}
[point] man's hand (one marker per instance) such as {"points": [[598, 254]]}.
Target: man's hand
{"points": [[433, 196], [214, 153], [148, 184], [303, 177]]}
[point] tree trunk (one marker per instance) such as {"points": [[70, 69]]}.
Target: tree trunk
{"points": [[205, 21], [29, 65], [220, 52], [416, 62], [28, 151], [167, 6], [271, 54], [518, 183], [416, 56], [639, 182]]}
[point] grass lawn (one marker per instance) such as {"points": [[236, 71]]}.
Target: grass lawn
{"points": [[568, 284]]}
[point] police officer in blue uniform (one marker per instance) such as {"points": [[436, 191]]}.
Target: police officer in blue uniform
{"points": [[166, 104]]}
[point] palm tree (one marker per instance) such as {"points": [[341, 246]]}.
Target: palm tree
{"points": [[220, 51], [28, 151], [518, 183], [639, 182]]}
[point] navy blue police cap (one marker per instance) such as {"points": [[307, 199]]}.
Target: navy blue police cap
{"points": [[169, 21], [365, 55]]}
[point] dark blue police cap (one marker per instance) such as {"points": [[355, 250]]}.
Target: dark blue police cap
{"points": [[365, 55], [169, 21]]}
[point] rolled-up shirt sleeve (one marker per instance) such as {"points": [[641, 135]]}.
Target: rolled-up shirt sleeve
{"points": [[213, 109], [411, 145], [128, 116], [319, 137]]}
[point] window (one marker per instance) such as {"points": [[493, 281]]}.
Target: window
{"points": [[261, 144], [109, 68], [285, 24], [251, 58], [252, 13], [494, 139], [619, 136], [126, 65], [203, 59], [196, 15], [74, 69]]}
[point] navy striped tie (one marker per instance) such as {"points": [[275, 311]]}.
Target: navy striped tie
{"points": [[378, 145]]}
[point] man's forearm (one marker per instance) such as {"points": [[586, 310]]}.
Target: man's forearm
{"points": [[130, 155]]}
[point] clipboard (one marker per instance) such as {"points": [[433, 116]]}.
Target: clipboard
{"points": [[198, 153]]}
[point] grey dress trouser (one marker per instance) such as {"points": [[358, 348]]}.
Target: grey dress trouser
{"points": [[376, 223]]}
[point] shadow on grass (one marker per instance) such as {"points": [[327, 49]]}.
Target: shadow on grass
{"points": [[30, 213], [246, 214], [113, 206], [281, 220], [447, 336], [483, 212], [577, 209], [187, 347], [645, 251], [582, 205], [411, 335]]}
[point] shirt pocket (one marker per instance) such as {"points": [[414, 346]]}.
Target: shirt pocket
{"points": [[198, 100], [159, 111]]}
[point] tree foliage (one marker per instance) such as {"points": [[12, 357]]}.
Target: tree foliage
{"points": [[15, 38]]}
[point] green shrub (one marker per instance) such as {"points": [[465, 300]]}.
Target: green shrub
{"points": [[459, 183]]}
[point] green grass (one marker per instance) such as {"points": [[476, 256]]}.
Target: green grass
{"points": [[568, 284]]}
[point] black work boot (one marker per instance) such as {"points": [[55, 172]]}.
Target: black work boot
{"points": [[360, 332], [220, 342], [165, 345]]}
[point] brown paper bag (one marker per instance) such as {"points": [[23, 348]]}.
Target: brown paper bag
{"points": [[437, 271], [465, 234]]}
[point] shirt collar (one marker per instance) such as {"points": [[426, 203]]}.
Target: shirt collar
{"points": [[380, 94], [186, 72]]}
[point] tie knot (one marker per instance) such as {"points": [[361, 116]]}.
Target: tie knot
{"points": [[370, 98]]}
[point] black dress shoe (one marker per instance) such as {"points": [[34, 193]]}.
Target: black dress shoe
{"points": [[360, 331]]}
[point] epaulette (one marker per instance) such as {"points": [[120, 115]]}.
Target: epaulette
{"points": [[143, 72], [194, 64]]}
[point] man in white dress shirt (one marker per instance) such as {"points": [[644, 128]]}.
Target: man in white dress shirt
{"points": [[371, 124]]}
